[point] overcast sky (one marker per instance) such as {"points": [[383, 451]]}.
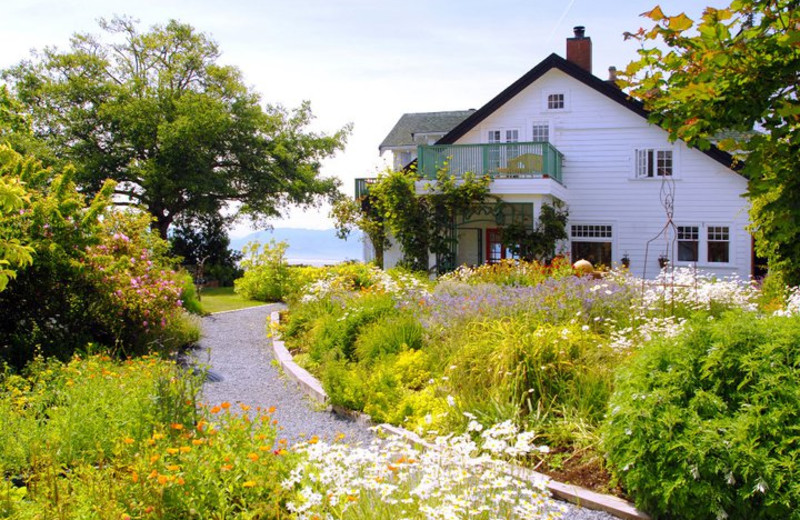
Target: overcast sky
{"points": [[361, 61]]}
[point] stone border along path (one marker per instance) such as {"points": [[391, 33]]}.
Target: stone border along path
{"points": [[236, 349], [245, 370]]}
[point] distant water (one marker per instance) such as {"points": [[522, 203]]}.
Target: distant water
{"points": [[316, 262], [308, 246]]}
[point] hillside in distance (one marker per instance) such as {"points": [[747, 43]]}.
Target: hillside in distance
{"points": [[308, 246]]}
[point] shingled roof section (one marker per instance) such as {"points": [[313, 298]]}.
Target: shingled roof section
{"points": [[422, 123]]}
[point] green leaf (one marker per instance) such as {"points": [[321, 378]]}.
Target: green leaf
{"points": [[655, 14], [680, 23]]}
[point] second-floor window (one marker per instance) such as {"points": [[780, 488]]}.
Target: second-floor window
{"points": [[540, 132], [555, 101], [652, 162]]}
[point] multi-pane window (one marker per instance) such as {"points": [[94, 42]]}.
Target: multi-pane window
{"points": [[719, 240], [499, 155], [540, 133], [590, 231], [591, 242], [688, 243], [501, 136], [555, 101], [651, 162]]}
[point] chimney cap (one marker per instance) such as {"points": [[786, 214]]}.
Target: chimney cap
{"points": [[579, 31]]}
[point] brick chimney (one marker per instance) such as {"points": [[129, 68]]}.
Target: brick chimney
{"points": [[579, 49]]}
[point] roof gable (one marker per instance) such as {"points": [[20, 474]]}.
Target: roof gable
{"points": [[554, 61]]}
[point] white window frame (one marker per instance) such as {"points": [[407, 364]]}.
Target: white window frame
{"points": [[706, 233], [612, 239], [546, 98], [698, 229], [541, 123], [642, 158], [504, 133], [703, 242]]}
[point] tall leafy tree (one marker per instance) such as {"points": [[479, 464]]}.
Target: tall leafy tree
{"points": [[180, 133], [718, 79]]}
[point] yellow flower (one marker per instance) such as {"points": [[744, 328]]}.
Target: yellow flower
{"points": [[127, 440], [252, 456], [185, 449], [244, 407], [249, 484], [174, 467]]}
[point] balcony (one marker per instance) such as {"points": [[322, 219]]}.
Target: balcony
{"points": [[362, 186], [526, 160]]}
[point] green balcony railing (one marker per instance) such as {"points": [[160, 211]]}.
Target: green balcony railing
{"points": [[362, 186], [527, 160]]}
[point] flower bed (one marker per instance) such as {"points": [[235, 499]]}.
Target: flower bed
{"points": [[537, 346]]}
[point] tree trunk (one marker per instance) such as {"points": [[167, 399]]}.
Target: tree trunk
{"points": [[162, 225]]}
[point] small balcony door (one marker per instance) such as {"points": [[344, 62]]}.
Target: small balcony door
{"points": [[499, 155]]}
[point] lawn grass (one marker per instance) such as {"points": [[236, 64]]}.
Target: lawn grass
{"points": [[218, 299]]}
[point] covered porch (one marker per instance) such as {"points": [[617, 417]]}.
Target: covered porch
{"points": [[477, 238]]}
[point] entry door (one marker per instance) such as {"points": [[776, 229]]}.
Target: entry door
{"points": [[494, 246]]}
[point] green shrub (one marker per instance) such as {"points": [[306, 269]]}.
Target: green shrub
{"points": [[97, 438], [189, 296], [266, 273], [522, 369], [78, 412], [334, 335], [389, 335], [97, 275], [344, 385], [705, 425]]}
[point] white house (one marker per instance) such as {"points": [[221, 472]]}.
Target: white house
{"points": [[561, 133]]}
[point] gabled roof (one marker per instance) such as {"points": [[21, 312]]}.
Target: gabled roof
{"points": [[417, 123], [554, 61]]}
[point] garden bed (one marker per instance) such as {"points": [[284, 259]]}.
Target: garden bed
{"points": [[532, 344]]}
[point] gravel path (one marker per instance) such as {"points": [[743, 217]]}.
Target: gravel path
{"points": [[236, 348]]}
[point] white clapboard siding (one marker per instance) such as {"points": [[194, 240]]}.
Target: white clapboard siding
{"points": [[598, 137]]}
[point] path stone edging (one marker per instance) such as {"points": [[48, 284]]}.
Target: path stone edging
{"points": [[577, 495]]}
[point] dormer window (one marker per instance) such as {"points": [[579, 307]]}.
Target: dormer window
{"points": [[555, 101]]}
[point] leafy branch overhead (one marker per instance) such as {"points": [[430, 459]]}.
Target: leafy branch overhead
{"points": [[180, 133], [730, 79]]}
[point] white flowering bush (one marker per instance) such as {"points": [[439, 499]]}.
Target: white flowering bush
{"points": [[400, 284], [792, 303], [698, 290], [456, 477]]}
